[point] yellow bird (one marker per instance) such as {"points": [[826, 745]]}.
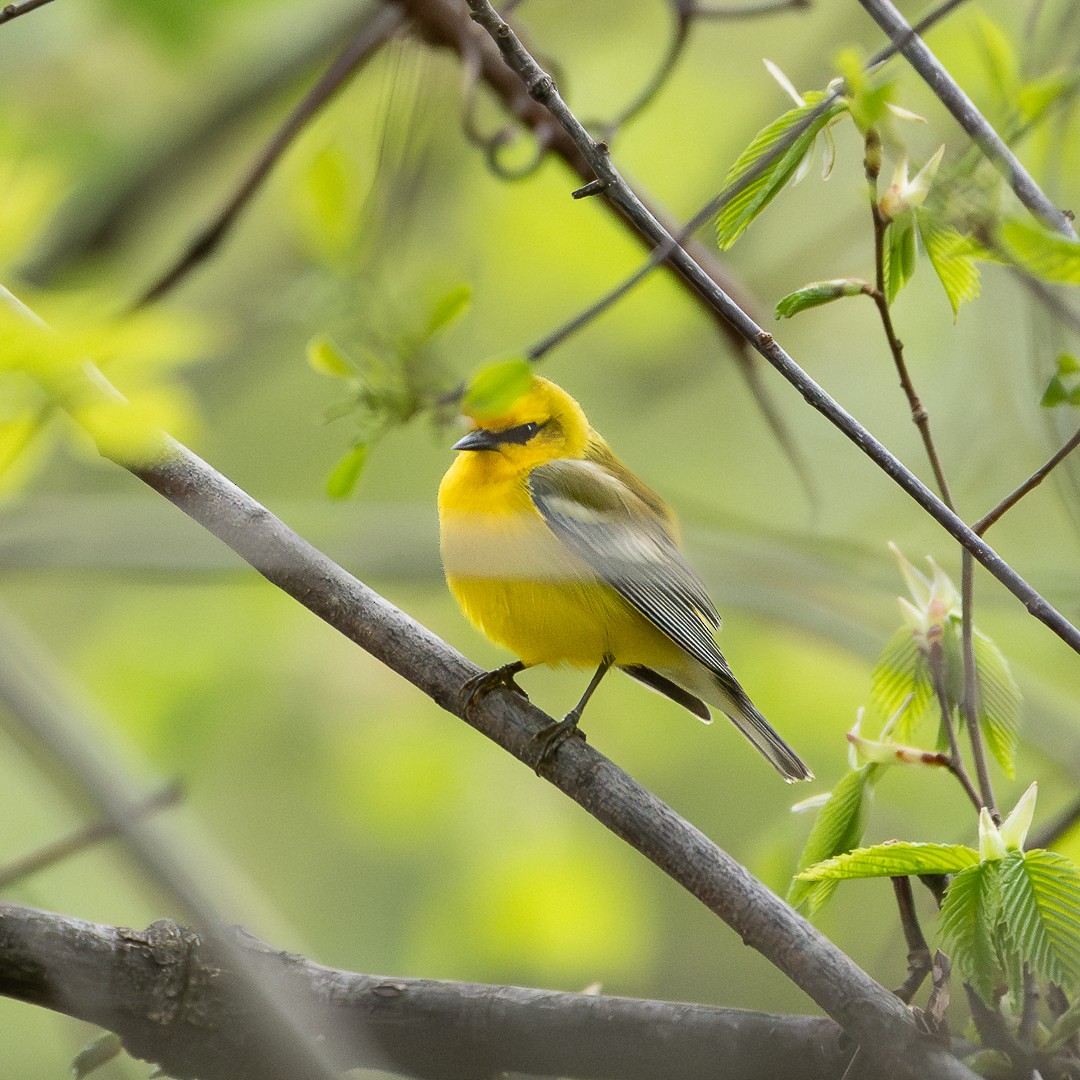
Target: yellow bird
{"points": [[558, 552]]}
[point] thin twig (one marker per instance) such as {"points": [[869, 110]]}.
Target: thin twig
{"points": [[13, 11], [87, 836], [918, 958], [970, 703], [967, 115], [1032, 482], [680, 34], [936, 660], [543, 89], [919, 416], [747, 11], [383, 25]]}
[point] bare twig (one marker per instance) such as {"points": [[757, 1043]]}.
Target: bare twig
{"points": [[1032, 482], [118, 978], [936, 660], [915, 51], [543, 89], [918, 958], [383, 25], [970, 703], [919, 416], [746, 11], [87, 836], [13, 11]]}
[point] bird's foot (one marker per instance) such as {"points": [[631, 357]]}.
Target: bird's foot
{"points": [[486, 681], [554, 735]]}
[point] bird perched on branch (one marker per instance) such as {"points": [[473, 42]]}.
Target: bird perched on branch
{"points": [[558, 552]]}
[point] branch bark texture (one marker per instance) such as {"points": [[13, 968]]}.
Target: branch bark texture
{"points": [[173, 1001]]}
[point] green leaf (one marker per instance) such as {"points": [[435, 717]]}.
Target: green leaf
{"points": [[1054, 394], [1042, 253], [952, 259], [733, 220], [901, 674], [448, 309], [101, 1051], [325, 357], [494, 388], [867, 96], [1040, 905], [900, 255], [969, 918], [838, 828], [817, 293], [1036, 97], [1001, 59], [999, 702], [345, 474], [1063, 387], [893, 860]]}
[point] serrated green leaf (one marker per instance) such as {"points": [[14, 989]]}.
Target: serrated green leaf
{"points": [[495, 387], [838, 828], [1041, 253], [345, 474], [325, 357], [902, 674], [893, 860], [999, 702], [952, 260], [736, 216], [101, 1051], [448, 309], [899, 255], [817, 293], [1040, 906], [969, 918]]}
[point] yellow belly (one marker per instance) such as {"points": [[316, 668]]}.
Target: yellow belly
{"points": [[576, 623], [520, 585]]}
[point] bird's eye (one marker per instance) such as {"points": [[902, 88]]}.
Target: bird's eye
{"points": [[520, 434]]}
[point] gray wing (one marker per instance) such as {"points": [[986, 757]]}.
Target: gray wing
{"points": [[607, 525]]}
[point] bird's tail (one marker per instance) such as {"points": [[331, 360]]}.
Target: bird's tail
{"points": [[722, 690]]}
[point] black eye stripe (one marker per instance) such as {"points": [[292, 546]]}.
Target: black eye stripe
{"points": [[520, 434]]}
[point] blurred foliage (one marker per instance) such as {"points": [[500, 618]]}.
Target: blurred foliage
{"points": [[338, 811]]}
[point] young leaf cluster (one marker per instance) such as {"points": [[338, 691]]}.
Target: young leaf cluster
{"points": [[387, 386]]}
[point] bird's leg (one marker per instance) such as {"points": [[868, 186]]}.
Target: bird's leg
{"points": [[487, 681], [554, 735]]}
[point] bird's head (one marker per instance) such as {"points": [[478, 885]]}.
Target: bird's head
{"points": [[543, 424]]}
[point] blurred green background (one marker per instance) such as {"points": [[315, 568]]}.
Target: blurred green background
{"points": [[337, 811]]}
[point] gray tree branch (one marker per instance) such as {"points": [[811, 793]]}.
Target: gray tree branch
{"points": [[174, 1000]]}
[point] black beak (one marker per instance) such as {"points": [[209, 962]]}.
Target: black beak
{"points": [[479, 439]]}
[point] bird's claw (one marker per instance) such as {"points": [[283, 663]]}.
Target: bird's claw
{"points": [[554, 735], [482, 684]]}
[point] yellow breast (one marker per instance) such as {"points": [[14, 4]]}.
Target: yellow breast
{"points": [[519, 584]]}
